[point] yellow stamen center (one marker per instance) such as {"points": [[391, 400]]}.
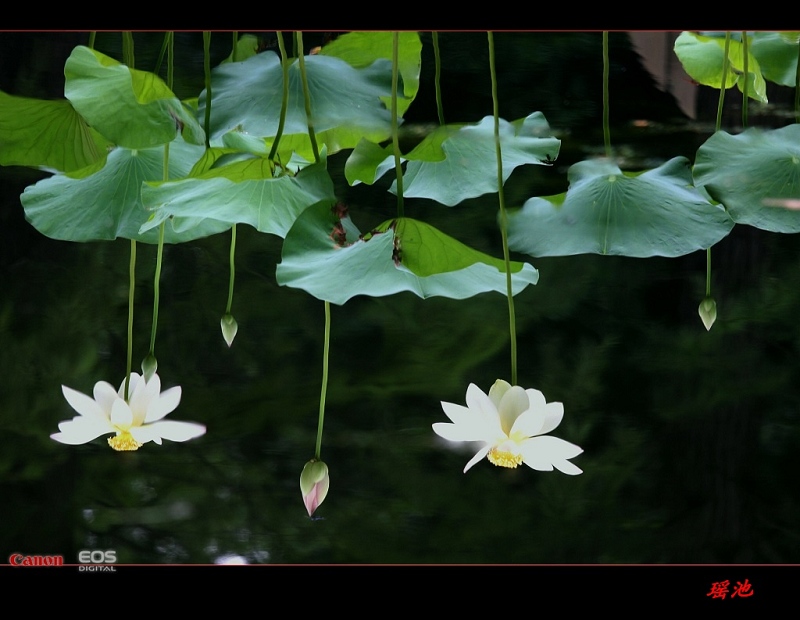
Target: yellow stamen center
{"points": [[124, 441], [503, 458]]}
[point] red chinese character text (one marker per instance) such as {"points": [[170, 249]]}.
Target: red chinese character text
{"points": [[743, 590], [719, 589]]}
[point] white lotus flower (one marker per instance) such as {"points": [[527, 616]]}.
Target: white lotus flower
{"points": [[134, 422], [512, 422]]}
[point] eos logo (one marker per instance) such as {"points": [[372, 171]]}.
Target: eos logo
{"points": [[97, 556]]}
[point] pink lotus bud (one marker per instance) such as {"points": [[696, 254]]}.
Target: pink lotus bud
{"points": [[314, 482]]}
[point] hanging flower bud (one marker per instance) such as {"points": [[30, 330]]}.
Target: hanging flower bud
{"points": [[229, 328], [149, 367], [314, 482], [708, 312]]}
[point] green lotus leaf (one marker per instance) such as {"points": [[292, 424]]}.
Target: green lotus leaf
{"points": [[134, 109], [46, 134], [702, 58], [107, 203], [243, 192], [449, 166], [246, 46], [361, 49], [606, 211], [368, 162], [777, 56], [325, 255], [752, 174], [345, 102]]}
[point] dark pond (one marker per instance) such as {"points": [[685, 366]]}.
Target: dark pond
{"points": [[691, 437]]}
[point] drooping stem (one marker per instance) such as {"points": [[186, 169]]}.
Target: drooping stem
{"points": [[233, 270], [325, 353], [128, 59], [207, 72], [725, 69], [606, 113], [127, 48], [395, 138], [131, 289], [307, 96], [438, 76], [285, 97], [170, 39], [149, 364], [503, 215], [157, 279], [327, 340], [797, 89], [745, 53]]}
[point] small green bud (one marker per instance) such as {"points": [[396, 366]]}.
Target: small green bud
{"points": [[708, 312], [314, 483], [229, 328], [149, 367]]}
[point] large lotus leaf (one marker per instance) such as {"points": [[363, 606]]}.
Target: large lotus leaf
{"points": [[752, 171], [132, 108], [107, 204], [606, 211], [243, 192], [450, 165], [777, 55], [361, 49], [345, 102], [46, 134], [327, 257], [702, 58]]}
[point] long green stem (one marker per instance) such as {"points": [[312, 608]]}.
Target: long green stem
{"points": [[724, 87], [437, 79], [149, 365], [284, 99], [233, 270], [323, 393], [745, 96], [128, 59], [503, 215], [131, 290], [127, 49], [725, 68], [307, 96], [156, 289], [395, 136], [606, 111], [797, 89], [207, 72], [327, 340]]}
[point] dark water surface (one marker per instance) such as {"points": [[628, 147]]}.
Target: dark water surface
{"points": [[691, 438]]}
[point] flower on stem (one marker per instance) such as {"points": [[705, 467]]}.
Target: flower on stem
{"points": [[512, 423], [314, 482], [149, 366], [708, 312], [229, 328], [134, 421]]}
